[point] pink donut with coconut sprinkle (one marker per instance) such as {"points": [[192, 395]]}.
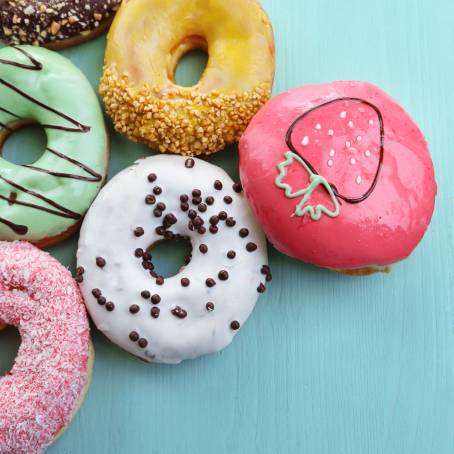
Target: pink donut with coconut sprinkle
{"points": [[47, 383], [339, 176]]}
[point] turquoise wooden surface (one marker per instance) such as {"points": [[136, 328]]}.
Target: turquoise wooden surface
{"points": [[326, 364]]}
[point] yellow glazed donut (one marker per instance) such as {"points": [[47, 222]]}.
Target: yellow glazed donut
{"points": [[145, 43]]}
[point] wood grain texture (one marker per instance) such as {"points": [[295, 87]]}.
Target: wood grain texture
{"points": [[326, 364]]}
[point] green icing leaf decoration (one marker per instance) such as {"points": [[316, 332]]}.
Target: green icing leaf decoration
{"points": [[315, 212]]}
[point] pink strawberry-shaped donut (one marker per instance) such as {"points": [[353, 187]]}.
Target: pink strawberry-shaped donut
{"points": [[339, 176]]}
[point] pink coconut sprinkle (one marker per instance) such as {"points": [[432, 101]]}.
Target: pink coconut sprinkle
{"points": [[39, 395]]}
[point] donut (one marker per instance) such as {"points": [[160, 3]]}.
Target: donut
{"points": [[52, 371], [339, 176], [144, 45], [197, 311], [55, 24], [44, 202]]}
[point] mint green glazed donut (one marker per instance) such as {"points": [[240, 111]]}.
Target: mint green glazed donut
{"points": [[44, 202]]}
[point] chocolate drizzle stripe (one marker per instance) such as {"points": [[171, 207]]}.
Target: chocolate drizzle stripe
{"points": [[10, 113], [16, 228], [352, 200], [35, 64], [61, 210], [79, 127], [95, 177]]}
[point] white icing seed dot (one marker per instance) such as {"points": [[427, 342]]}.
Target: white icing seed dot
{"points": [[359, 138], [359, 179], [371, 122], [348, 144], [350, 124], [352, 161], [367, 153], [343, 114], [330, 132], [330, 163], [318, 126], [332, 152], [305, 141]]}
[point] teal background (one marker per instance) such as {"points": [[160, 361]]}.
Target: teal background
{"points": [[326, 364]]}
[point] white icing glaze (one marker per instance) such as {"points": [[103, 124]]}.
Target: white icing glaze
{"points": [[108, 232]]}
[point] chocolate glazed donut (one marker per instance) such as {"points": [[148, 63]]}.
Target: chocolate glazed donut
{"points": [[55, 24]]}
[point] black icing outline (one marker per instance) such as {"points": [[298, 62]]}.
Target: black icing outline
{"points": [[352, 200]]}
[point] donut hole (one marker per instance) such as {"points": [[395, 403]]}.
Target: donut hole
{"points": [[10, 342], [170, 256], [189, 61], [24, 143]]}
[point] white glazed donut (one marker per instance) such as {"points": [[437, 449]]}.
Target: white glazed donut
{"points": [[197, 311]]}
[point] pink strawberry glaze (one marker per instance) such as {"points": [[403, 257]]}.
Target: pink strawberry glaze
{"points": [[383, 229], [40, 394]]}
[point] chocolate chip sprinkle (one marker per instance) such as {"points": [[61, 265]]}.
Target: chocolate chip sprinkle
{"points": [[214, 220], [222, 215], [110, 306], [96, 292], [179, 312], [196, 193], [159, 280], [237, 187], [223, 275], [155, 299], [157, 212], [100, 262], [138, 252], [209, 200], [189, 163], [184, 198], [80, 270], [155, 311], [218, 185], [157, 190], [228, 200], [251, 247], [143, 342], [203, 248], [160, 230], [168, 235], [134, 308], [184, 206], [265, 269], [134, 336], [213, 229], [197, 200], [243, 233], [197, 221], [161, 206], [185, 282], [269, 277], [101, 301], [145, 294], [210, 307], [139, 231], [187, 259], [230, 222], [231, 254], [202, 207], [150, 199], [79, 278], [210, 282], [192, 214], [235, 325], [152, 177], [261, 288]]}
